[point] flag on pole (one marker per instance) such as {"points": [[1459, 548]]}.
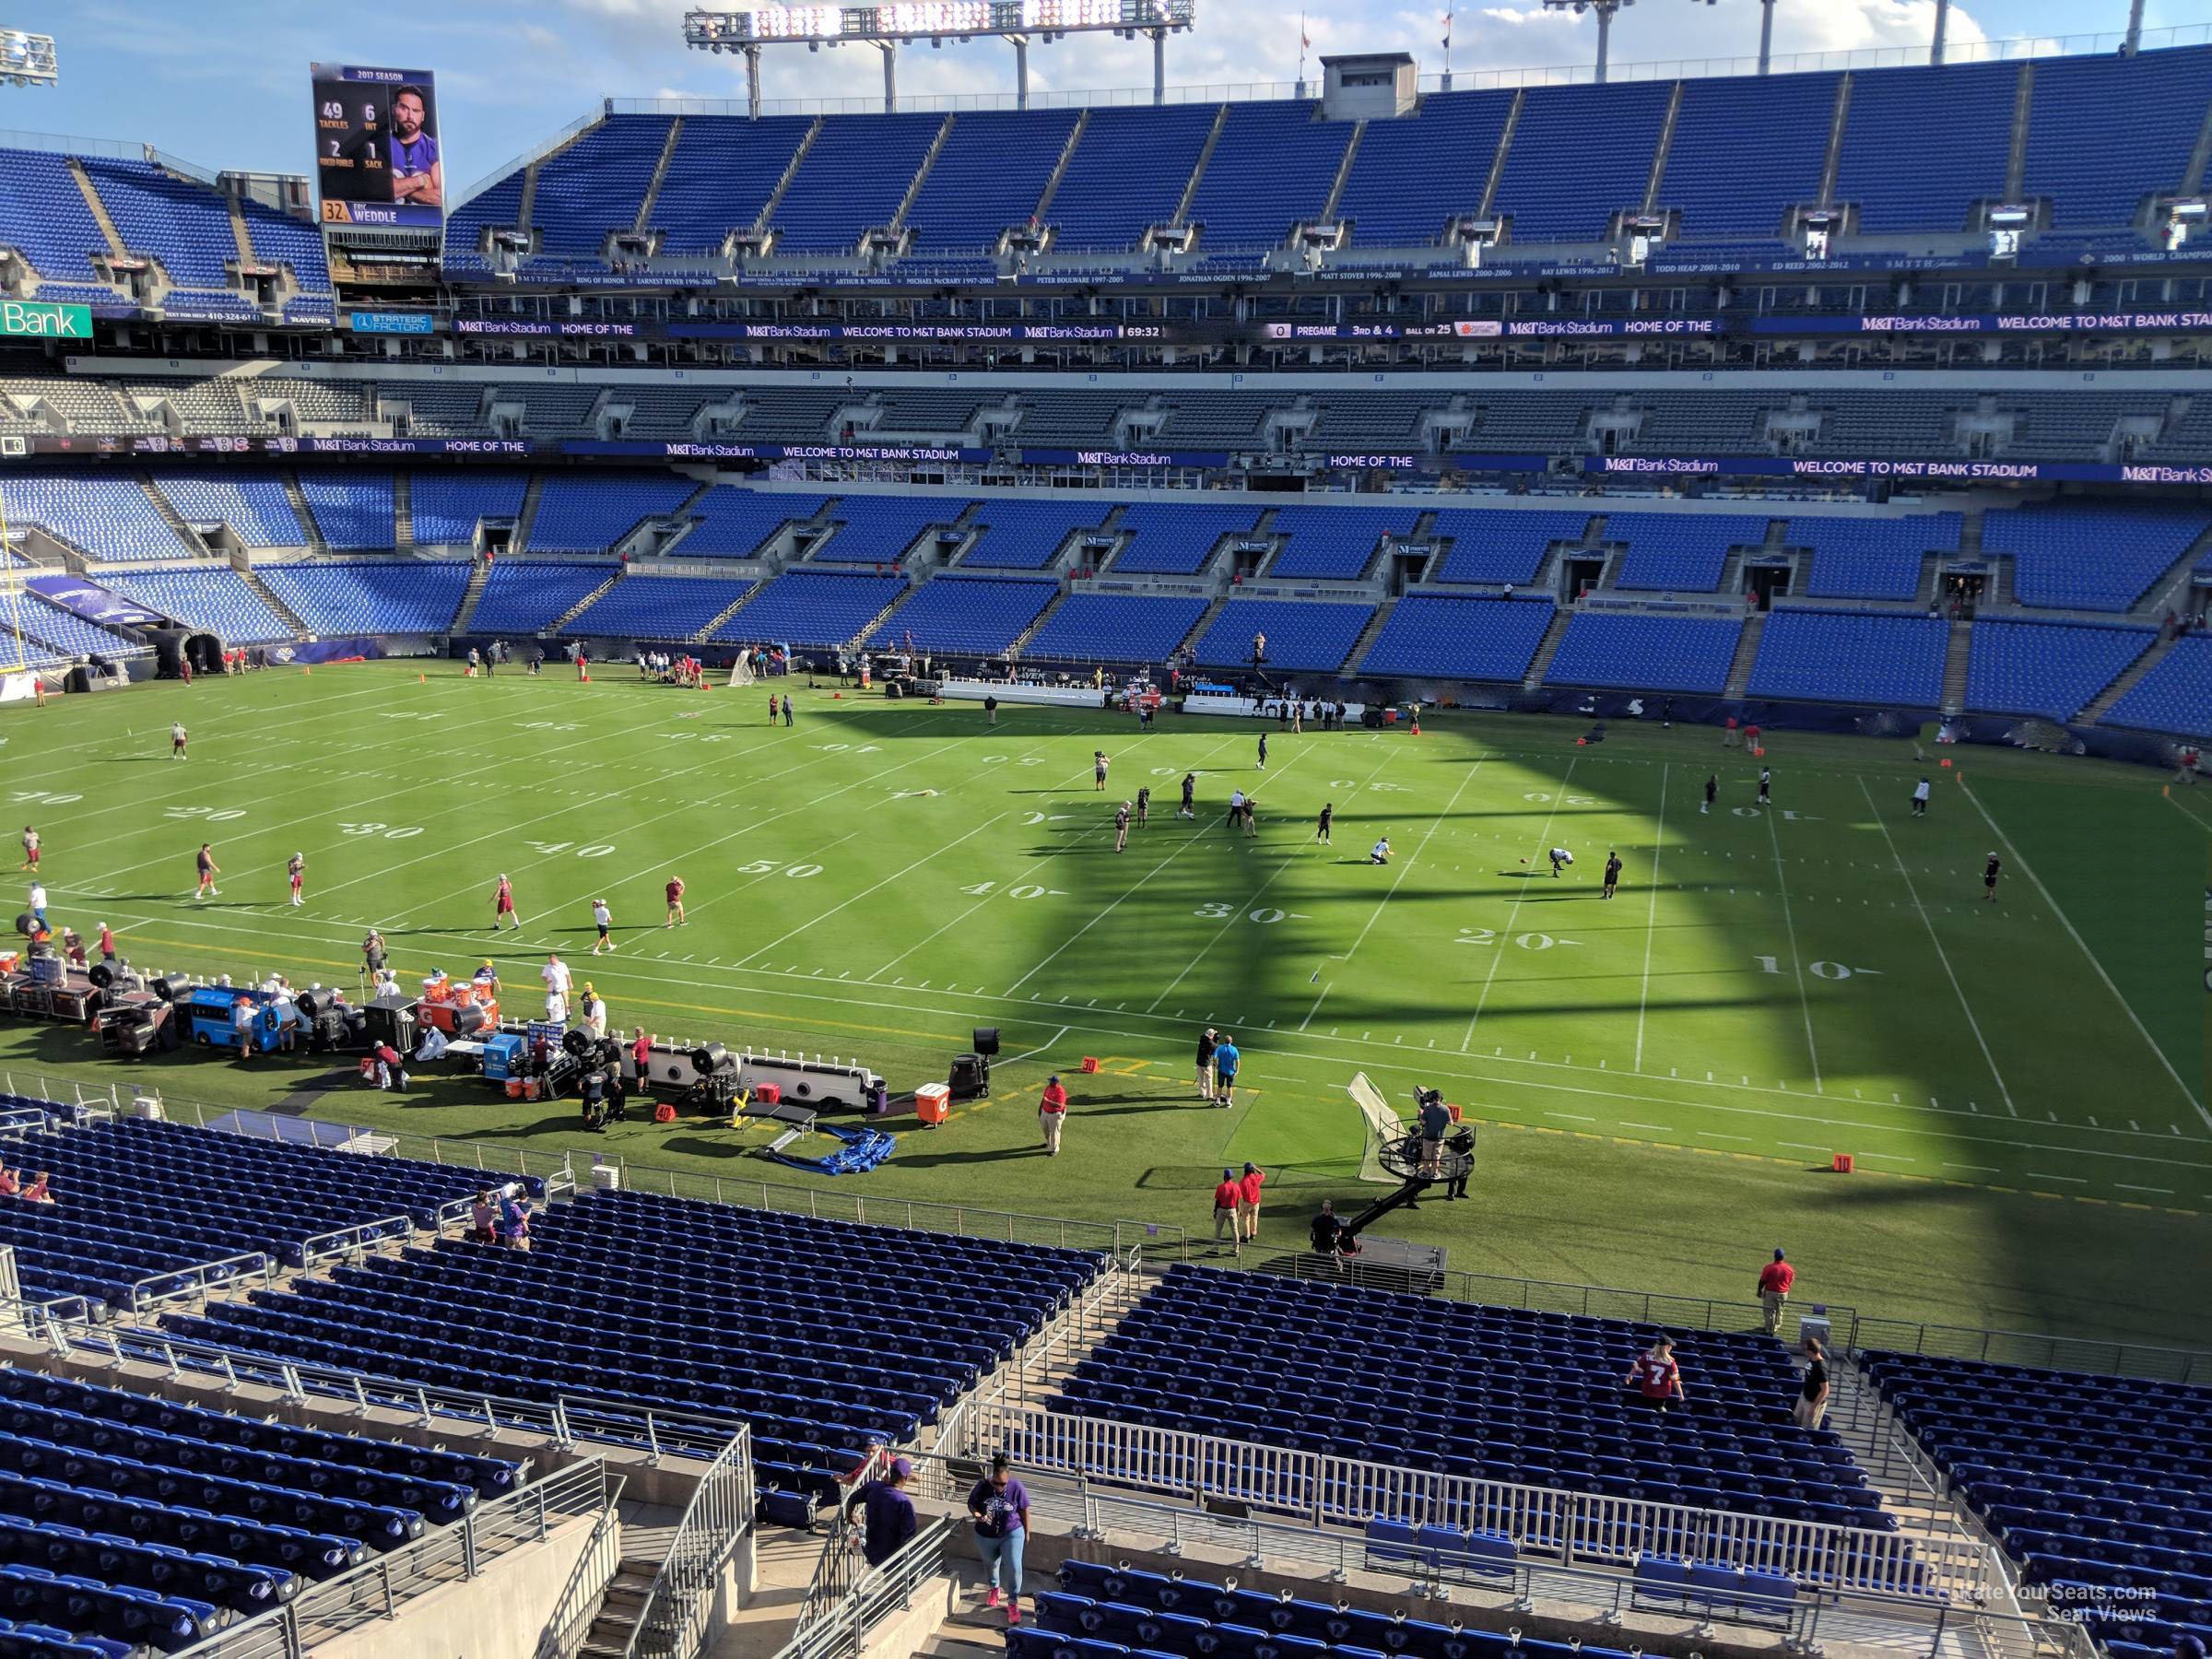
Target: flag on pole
{"points": [[1448, 31], [1305, 40]]}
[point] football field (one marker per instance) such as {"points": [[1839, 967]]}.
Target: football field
{"points": [[1662, 1078]]}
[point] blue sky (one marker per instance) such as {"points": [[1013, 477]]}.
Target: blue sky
{"points": [[224, 82]]}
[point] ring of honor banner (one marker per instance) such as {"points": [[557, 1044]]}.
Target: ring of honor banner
{"points": [[379, 162]]}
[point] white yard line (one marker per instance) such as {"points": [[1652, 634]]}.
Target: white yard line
{"points": [[1805, 1000], [1942, 955], [1513, 1077], [1288, 862], [2126, 1007], [876, 886], [1651, 924], [1513, 915]]}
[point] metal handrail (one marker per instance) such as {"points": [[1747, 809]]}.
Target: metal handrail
{"points": [[377, 1588], [1570, 1526], [1087, 1511], [578, 1604], [567, 1420], [193, 1283], [842, 1632], [2149, 1361], [351, 1243], [672, 1620]]}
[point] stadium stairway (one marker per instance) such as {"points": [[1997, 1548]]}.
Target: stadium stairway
{"points": [[798, 160], [553, 628], [735, 606], [293, 494], [1205, 156], [1370, 634], [99, 207], [1205, 621], [1546, 648], [1021, 640], [1954, 666], [1067, 152], [262, 592], [2101, 705], [660, 175], [187, 540], [403, 510], [1747, 652], [526, 519], [479, 574]]}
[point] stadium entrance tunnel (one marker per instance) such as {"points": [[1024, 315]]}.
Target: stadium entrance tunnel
{"points": [[175, 646]]}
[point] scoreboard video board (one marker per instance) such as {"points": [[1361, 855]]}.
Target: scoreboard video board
{"points": [[379, 161]]}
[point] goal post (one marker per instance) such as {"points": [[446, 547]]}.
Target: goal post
{"points": [[1380, 1126], [741, 672]]}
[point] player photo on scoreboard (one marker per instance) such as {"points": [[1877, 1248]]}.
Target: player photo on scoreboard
{"points": [[378, 159]]}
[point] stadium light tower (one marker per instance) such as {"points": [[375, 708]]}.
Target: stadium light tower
{"points": [[1017, 22], [1604, 10], [2133, 43], [1942, 19], [28, 60]]}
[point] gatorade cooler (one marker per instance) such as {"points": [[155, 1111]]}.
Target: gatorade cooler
{"points": [[933, 1104]]}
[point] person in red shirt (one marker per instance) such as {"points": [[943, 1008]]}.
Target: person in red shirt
{"points": [[640, 1051], [1774, 1281], [676, 901], [503, 906], [1248, 1203], [1656, 1377], [1051, 1113], [1226, 1198]]}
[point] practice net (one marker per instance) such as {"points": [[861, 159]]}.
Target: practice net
{"points": [[1380, 1126]]}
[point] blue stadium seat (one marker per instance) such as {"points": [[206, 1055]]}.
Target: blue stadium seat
{"points": [[734, 523], [1302, 637], [980, 615], [1634, 653], [811, 608], [1870, 558], [1018, 535], [1682, 552], [882, 529], [1435, 636], [1844, 656], [524, 596], [2092, 555], [1170, 538], [1334, 543], [667, 608], [449, 506], [2175, 696], [1115, 628], [2054, 669], [388, 596], [589, 511]]}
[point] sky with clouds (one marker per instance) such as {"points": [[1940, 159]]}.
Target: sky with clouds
{"points": [[224, 82]]}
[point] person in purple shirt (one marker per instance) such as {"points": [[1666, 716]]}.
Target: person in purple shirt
{"points": [[418, 171], [886, 1513], [1001, 1507]]}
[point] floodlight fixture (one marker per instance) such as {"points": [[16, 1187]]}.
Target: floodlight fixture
{"points": [[892, 26], [28, 60], [1604, 10]]}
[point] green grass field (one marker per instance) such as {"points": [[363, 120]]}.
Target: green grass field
{"points": [[1662, 1078]]}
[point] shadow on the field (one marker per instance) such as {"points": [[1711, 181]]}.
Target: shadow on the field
{"points": [[930, 1161]]}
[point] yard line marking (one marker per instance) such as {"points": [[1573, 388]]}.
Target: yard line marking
{"points": [[1942, 955], [1800, 1147], [1404, 870], [2161, 1192], [875, 887], [2175, 802], [1659, 1128], [1651, 922], [1805, 1000], [1983, 1168], [1289, 861], [185, 918], [1055, 954], [1711, 1135], [2070, 1180], [2050, 898], [1514, 915], [1573, 1117]]}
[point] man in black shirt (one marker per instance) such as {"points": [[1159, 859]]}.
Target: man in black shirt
{"points": [[1612, 873], [1812, 1396], [1990, 871], [1321, 828], [1189, 808]]}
